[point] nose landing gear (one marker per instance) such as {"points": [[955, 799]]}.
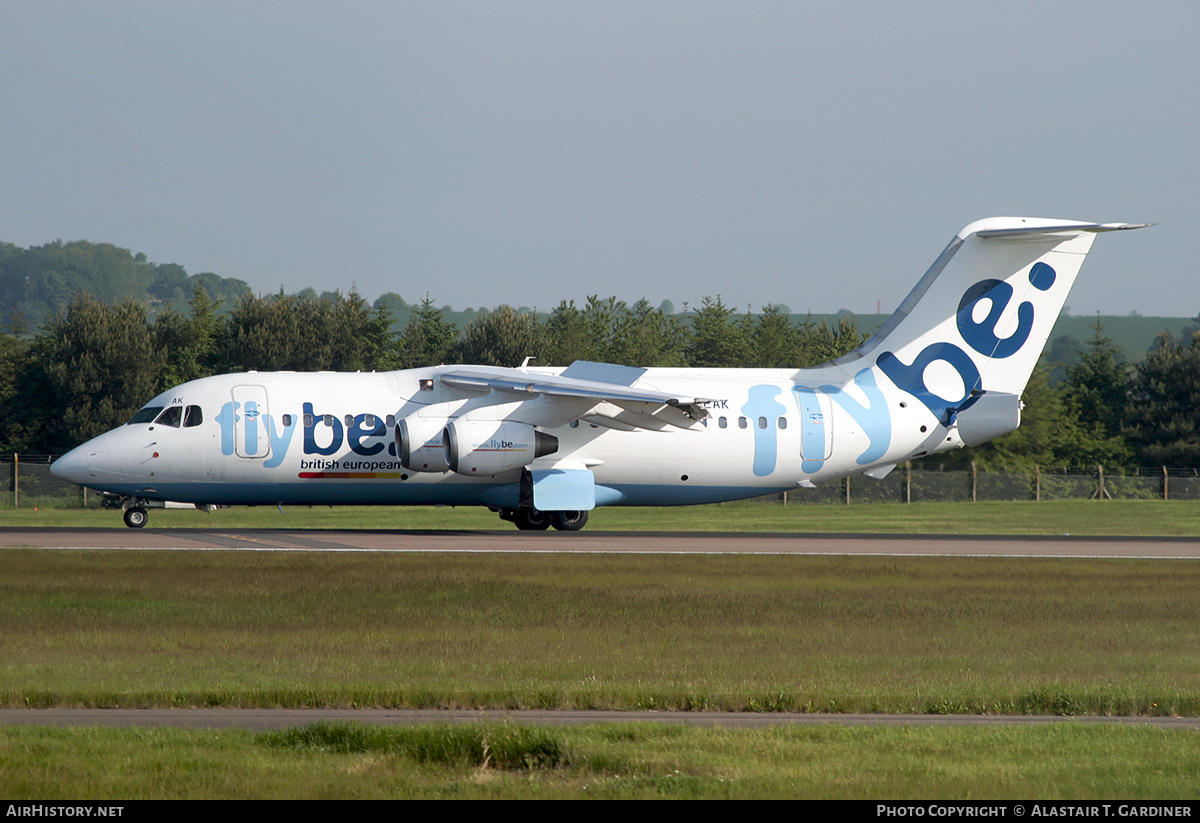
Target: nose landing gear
{"points": [[135, 510]]}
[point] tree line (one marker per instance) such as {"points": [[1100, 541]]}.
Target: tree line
{"points": [[93, 365], [1106, 412], [39, 282]]}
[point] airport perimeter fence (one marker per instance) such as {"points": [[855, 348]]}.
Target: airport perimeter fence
{"points": [[909, 483], [26, 482]]}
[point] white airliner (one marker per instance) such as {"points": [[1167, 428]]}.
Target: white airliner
{"points": [[544, 446]]}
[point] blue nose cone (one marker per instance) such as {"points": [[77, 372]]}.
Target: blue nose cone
{"points": [[73, 466]]}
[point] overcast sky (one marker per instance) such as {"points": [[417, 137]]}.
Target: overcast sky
{"points": [[814, 154]]}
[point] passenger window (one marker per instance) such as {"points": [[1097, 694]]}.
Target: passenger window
{"points": [[193, 417], [170, 417], [369, 421], [287, 420], [391, 421], [349, 420], [722, 422], [741, 422], [762, 422], [308, 421], [146, 415], [783, 422], [329, 420]]}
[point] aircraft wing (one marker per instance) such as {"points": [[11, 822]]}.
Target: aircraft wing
{"points": [[599, 393]]}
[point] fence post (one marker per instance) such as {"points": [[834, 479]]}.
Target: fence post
{"points": [[1101, 493], [907, 481], [1037, 484], [16, 480], [847, 490], [1164, 468], [974, 481]]}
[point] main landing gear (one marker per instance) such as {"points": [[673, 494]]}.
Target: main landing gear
{"points": [[136, 517], [529, 519]]}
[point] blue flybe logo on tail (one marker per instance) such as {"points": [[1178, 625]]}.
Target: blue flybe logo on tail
{"points": [[979, 335]]}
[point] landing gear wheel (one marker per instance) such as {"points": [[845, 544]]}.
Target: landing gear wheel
{"points": [[532, 520], [136, 517], [569, 521]]}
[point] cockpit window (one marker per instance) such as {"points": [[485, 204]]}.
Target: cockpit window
{"points": [[146, 415], [170, 417], [194, 416]]}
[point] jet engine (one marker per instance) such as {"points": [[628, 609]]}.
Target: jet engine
{"points": [[420, 443], [484, 448]]}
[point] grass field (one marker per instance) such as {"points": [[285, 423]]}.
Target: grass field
{"points": [[648, 760], [748, 633], [742, 633]]}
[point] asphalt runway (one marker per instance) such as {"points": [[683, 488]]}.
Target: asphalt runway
{"points": [[929, 545]]}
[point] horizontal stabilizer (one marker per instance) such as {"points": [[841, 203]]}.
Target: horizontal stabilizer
{"points": [[1026, 231]]}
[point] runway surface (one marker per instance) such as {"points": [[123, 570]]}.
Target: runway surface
{"points": [[596, 541]]}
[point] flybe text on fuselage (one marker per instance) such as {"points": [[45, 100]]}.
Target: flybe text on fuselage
{"points": [[366, 435]]}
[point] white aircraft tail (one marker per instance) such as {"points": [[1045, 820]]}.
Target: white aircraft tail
{"points": [[979, 318]]}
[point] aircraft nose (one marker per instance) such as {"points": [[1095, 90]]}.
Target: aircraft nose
{"points": [[73, 466]]}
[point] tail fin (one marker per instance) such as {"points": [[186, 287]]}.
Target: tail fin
{"points": [[983, 311]]}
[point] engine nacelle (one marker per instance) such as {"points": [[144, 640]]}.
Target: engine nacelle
{"points": [[420, 443], [484, 448]]}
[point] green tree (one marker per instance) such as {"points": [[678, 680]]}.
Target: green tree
{"points": [[274, 333], [775, 341], [192, 343], [360, 338], [648, 336], [227, 290], [93, 368], [286, 332], [1160, 419], [590, 333], [15, 363], [720, 337], [819, 343], [501, 337], [427, 338], [169, 282], [568, 337], [1096, 394]]}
